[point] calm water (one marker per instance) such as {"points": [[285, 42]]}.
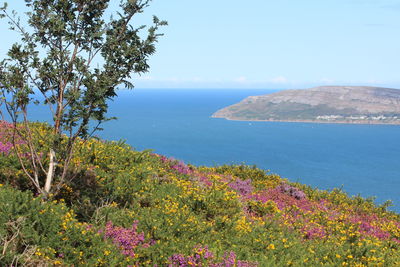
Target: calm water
{"points": [[364, 159]]}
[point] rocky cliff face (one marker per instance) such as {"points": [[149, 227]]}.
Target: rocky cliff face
{"points": [[352, 104]]}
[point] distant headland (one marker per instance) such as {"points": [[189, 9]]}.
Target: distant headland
{"points": [[324, 104]]}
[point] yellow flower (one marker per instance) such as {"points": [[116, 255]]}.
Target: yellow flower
{"points": [[271, 246], [242, 225]]}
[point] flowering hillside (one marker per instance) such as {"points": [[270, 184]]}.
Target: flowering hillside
{"points": [[123, 207]]}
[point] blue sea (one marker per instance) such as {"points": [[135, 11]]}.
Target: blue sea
{"points": [[361, 159]]}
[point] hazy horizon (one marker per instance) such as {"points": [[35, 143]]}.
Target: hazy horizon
{"points": [[268, 44]]}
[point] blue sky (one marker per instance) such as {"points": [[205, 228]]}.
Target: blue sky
{"points": [[270, 43]]}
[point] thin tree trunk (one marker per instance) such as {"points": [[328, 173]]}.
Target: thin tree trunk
{"points": [[50, 173]]}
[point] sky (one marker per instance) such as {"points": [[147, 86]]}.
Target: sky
{"points": [[268, 44]]}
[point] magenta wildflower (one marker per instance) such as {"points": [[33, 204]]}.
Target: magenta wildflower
{"points": [[5, 148], [125, 238], [243, 187], [203, 257], [292, 191]]}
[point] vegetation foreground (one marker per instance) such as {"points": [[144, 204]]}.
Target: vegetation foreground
{"points": [[123, 207]]}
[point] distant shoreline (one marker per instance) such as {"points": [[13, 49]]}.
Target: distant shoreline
{"points": [[364, 105], [315, 121]]}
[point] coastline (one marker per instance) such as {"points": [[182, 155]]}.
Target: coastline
{"points": [[312, 121]]}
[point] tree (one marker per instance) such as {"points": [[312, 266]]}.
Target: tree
{"points": [[72, 59]]}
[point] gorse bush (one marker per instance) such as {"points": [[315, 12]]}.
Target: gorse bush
{"points": [[128, 208], [47, 233]]}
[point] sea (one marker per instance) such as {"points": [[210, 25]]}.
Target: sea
{"points": [[360, 159]]}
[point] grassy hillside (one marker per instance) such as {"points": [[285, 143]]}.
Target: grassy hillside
{"points": [[136, 208]]}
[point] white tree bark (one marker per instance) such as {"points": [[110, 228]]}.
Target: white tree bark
{"points": [[50, 173]]}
